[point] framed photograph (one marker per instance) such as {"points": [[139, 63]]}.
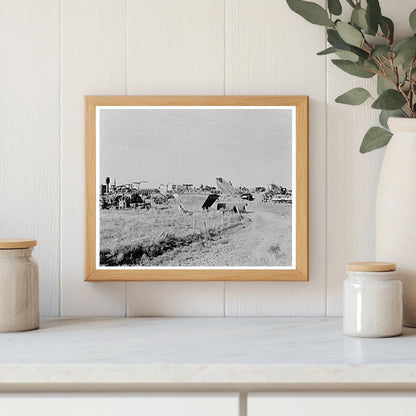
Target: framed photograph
{"points": [[196, 188]]}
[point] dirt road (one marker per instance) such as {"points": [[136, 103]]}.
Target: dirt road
{"points": [[263, 239]]}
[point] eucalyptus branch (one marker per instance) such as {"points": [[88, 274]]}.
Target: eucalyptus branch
{"points": [[412, 85], [387, 38], [385, 75], [365, 43], [372, 71], [393, 68], [395, 71], [413, 89], [387, 60], [406, 97], [380, 64]]}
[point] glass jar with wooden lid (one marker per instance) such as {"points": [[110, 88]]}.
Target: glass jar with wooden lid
{"points": [[19, 286], [372, 300]]}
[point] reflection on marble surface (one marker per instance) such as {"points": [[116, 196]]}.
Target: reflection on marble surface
{"points": [[255, 350]]}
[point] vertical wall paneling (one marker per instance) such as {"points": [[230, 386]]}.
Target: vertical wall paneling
{"points": [[272, 51], [175, 299], [175, 48], [352, 177], [29, 134], [54, 52], [93, 61]]}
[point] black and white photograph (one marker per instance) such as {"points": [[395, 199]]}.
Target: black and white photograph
{"points": [[195, 187]]}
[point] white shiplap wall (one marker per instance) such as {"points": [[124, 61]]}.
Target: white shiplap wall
{"points": [[29, 134], [55, 51]]}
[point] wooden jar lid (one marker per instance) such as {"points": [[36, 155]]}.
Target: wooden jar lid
{"points": [[371, 266], [12, 243]]}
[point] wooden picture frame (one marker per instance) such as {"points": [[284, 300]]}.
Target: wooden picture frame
{"points": [[97, 269]]}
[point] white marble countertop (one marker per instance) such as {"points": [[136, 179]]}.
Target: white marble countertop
{"points": [[203, 351]]}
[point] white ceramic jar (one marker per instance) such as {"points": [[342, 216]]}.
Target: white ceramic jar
{"points": [[372, 300], [19, 286]]}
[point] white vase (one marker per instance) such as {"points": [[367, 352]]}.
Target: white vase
{"points": [[396, 210]]}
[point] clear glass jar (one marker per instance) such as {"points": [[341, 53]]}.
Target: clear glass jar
{"points": [[19, 286], [372, 300]]}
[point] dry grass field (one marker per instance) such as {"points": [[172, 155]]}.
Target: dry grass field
{"points": [[165, 236]]}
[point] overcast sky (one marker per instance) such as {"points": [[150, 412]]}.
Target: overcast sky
{"points": [[249, 147]]}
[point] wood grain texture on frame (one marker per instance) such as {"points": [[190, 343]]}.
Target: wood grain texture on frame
{"points": [[299, 273]]}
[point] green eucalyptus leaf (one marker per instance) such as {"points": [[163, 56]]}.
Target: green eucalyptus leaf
{"points": [[387, 27], [327, 51], [352, 68], [375, 138], [373, 65], [349, 34], [381, 50], [373, 15], [405, 43], [383, 84], [405, 50], [348, 56], [356, 96], [360, 52], [386, 114], [389, 72], [336, 41], [358, 18], [389, 100], [311, 12], [334, 7], [412, 20]]}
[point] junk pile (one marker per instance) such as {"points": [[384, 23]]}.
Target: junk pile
{"points": [[123, 196], [277, 194], [130, 195]]}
